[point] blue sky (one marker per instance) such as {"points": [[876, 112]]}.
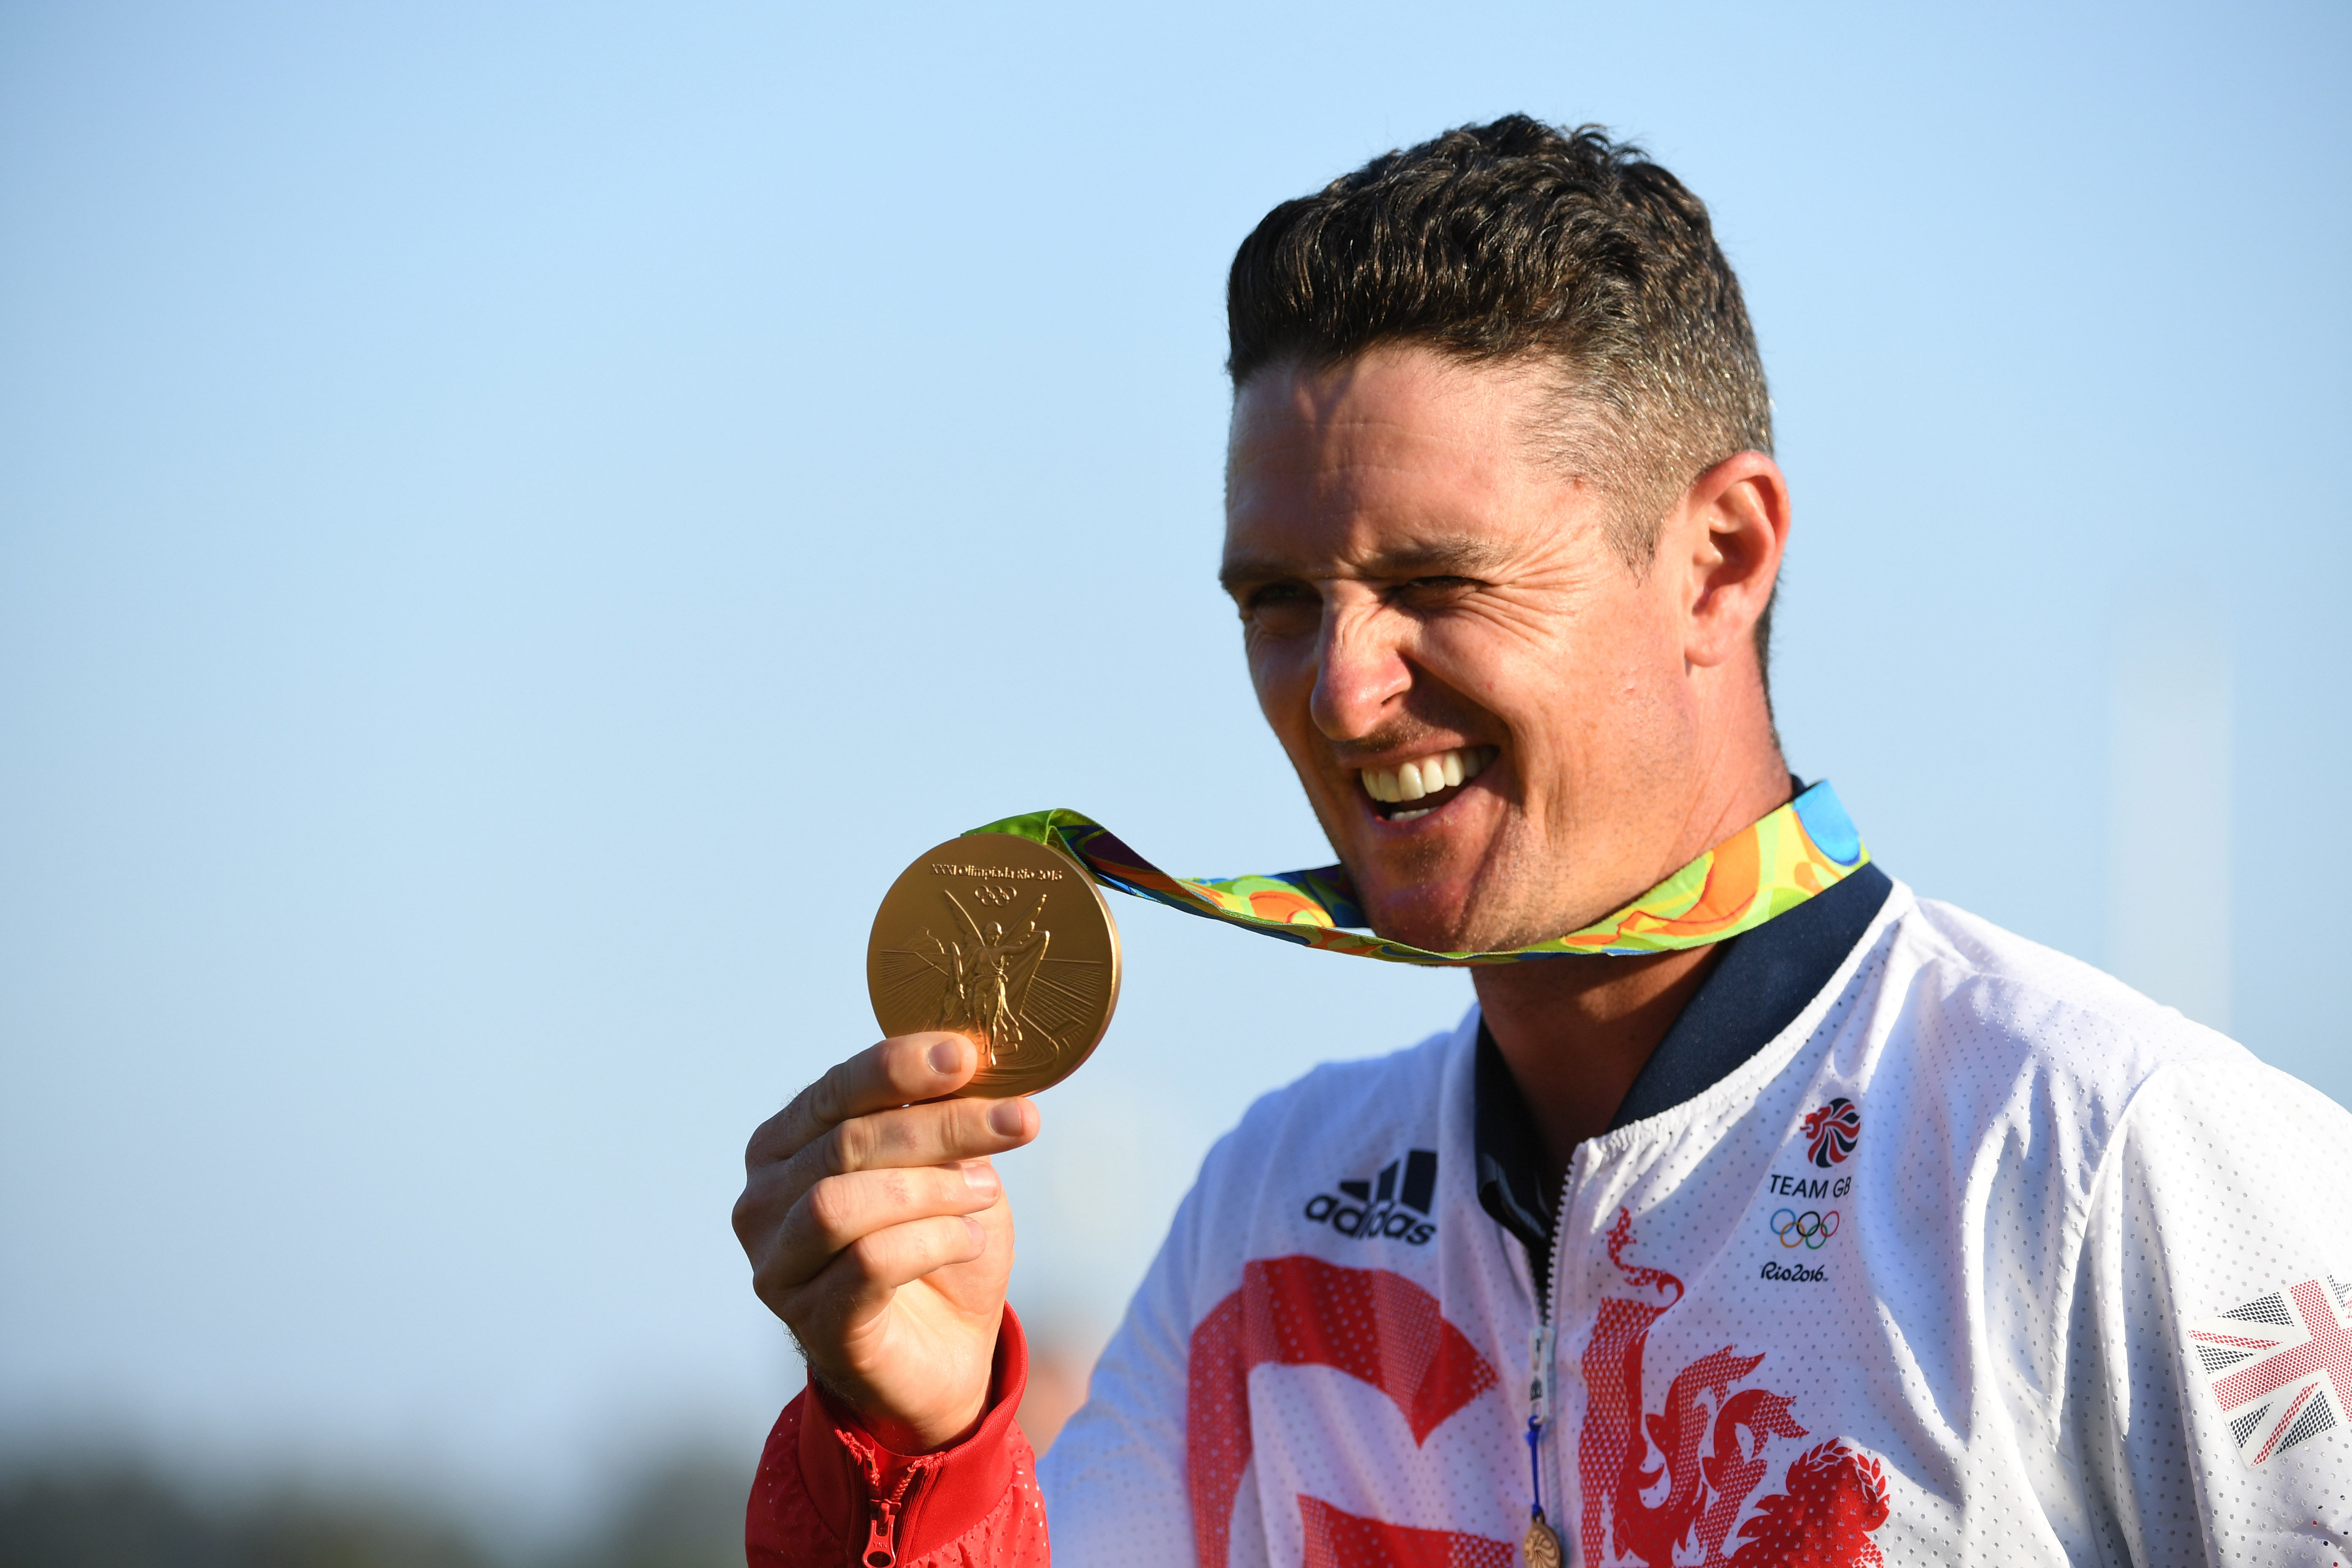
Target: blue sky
{"points": [[515, 523]]}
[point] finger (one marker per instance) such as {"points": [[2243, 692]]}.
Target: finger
{"points": [[944, 1132], [899, 1071], [841, 1211], [935, 1134], [862, 1275]]}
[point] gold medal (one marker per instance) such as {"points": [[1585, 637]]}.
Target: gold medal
{"points": [[1006, 943]]}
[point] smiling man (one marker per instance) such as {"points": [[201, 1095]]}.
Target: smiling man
{"points": [[1761, 1211]]}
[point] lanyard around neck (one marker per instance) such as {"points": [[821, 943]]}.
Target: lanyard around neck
{"points": [[1765, 869]]}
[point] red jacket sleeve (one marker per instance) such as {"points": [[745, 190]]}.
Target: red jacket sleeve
{"points": [[828, 1495]]}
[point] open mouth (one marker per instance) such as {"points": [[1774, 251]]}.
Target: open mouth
{"points": [[1411, 790]]}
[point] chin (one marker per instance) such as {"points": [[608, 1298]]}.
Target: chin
{"points": [[1410, 915], [1445, 914]]}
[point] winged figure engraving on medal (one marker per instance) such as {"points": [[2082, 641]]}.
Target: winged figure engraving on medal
{"points": [[996, 983]]}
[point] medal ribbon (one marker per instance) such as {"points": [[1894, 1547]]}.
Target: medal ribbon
{"points": [[1765, 869]]}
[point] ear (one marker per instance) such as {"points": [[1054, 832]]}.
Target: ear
{"points": [[1731, 527]]}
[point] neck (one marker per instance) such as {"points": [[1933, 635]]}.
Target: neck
{"points": [[1576, 1032]]}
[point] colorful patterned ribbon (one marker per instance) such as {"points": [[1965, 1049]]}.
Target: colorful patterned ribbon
{"points": [[1768, 867]]}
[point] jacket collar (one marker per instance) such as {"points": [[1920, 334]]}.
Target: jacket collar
{"points": [[1759, 982]]}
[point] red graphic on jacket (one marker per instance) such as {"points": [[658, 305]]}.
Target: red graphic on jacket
{"points": [[1835, 1495], [1339, 1540], [1373, 1325], [1832, 1133]]}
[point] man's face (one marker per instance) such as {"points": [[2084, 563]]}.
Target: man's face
{"points": [[1418, 586]]}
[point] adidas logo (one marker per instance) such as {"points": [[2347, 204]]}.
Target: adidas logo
{"points": [[1384, 1208]]}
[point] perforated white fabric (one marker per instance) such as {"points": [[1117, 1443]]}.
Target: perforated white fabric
{"points": [[2056, 1282]]}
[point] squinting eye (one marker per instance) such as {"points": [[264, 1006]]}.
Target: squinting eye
{"points": [[1271, 593], [1434, 590], [1282, 608]]}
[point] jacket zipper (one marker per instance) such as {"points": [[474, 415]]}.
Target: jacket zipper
{"points": [[1542, 1341], [884, 1514], [882, 1531]]}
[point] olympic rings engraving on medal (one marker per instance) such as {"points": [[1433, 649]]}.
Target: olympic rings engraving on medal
{"points": [[1809, 1229]]}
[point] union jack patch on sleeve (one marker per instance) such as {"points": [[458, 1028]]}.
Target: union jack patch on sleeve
{"points": [[2280, 1366]]}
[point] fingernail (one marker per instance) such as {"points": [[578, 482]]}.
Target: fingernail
{"points": [[1005, 1117], [979, 1178], [946, 1057]]}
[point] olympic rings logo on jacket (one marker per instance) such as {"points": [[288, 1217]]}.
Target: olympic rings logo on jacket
{"points": [[1809, 1229]]}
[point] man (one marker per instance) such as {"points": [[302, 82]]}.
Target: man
{"points": [[1869, 1232]]}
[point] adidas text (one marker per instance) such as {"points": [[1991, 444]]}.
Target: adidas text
{"points": [[1392, 1206]]}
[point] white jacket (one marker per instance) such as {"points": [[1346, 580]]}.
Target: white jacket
{"points": [[1983, 1257]]}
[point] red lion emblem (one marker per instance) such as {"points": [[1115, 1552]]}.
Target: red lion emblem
{"points": [[1708, 1448], [1836, 1497], [1833, 1129]]}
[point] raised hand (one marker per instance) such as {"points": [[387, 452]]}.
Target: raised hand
{"points": [[878, 1232]]}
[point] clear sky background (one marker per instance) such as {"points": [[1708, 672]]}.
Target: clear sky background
{"points": [[516, 522]]}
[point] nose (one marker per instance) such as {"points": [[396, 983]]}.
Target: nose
{"points": [[1359, 670]]}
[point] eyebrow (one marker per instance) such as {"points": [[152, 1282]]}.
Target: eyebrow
{"points": [[1458, 557]]}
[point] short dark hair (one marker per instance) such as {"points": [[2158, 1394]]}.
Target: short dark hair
{"points": [[1520, 239]]}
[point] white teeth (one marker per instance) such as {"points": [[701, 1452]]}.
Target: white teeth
{"points": [[1425, 776]]}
